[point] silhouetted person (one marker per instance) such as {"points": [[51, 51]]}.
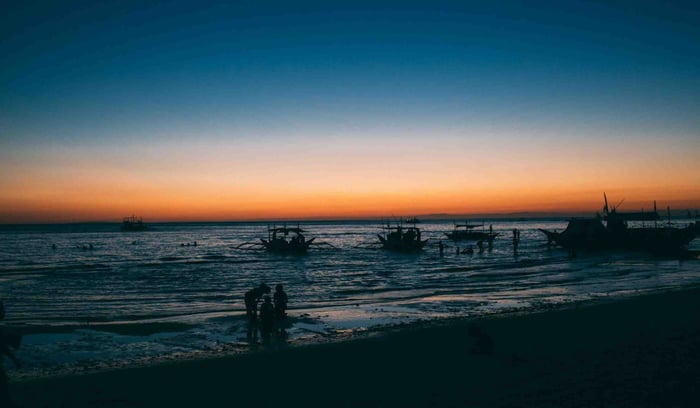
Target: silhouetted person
{"points": [[267, 317], [480, 245], [195, 243], [53, 246], [441, 247], [252, 297], [281, 300], [8, 343], [483, 343]]}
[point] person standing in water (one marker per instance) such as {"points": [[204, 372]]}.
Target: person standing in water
{"points": [[281, 300], [267, 317], [252, 297]]}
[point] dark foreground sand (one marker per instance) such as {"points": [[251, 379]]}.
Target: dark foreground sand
{"points": [[639, 352]]}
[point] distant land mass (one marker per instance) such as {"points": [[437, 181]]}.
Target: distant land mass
{"points": [[520, 216]]}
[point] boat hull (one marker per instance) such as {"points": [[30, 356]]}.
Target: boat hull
{"points": [[405, 246], [282, 246]]}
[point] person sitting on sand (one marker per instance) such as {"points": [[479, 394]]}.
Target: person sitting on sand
{"points": [[8, 343], [483, 343], [267, 317], [281, 300], [252, 297]]}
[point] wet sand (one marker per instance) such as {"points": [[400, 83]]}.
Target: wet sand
{"points": [[637, 352]]}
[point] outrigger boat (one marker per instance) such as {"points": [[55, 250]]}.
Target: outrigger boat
{"points": [[398, 238], [616, 233], [283, 240], [133, 224], [468, 232]]}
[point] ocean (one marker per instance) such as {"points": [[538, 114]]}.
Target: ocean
{"points": [[104, 298]]}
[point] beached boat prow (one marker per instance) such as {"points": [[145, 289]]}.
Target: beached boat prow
{"points": [[469, 232], [133, 224], [616, 233], [401, 239]]}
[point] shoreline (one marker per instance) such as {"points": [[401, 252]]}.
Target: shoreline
{"points": [[313, 330], [570, 345]]}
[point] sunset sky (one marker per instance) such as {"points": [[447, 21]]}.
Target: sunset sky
{"points": [[267, 110]]}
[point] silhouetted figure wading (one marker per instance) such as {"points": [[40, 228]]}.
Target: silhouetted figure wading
{"points": [[252, 297], [280, 298], [267, 317]]}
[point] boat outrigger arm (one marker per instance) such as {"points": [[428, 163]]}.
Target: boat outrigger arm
{"points": [[277, 241]]}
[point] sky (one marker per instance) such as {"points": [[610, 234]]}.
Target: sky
{"points": [[243, 110]]}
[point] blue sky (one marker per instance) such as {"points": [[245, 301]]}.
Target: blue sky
{"points": [[100, 76]]}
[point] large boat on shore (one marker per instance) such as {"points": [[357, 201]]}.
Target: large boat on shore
{"points": [[614, 231], [133, 224], [471, 232]]}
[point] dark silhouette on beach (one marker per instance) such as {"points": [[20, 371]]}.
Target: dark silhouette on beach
{"points": [[9, 342], [252, 297], [483, 343], [441, 247], [281, 300]]}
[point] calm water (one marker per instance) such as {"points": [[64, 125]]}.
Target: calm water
{"points": [[151, 278]]}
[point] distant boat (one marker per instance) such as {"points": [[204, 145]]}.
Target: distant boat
{"points": [[287, 240], [412, 220], [401, 239], [469, 232], [133, 224], [615, 233], [284, 240]]}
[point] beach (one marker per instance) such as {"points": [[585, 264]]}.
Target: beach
{"points": [[637, 351]]}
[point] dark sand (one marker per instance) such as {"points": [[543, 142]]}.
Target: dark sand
{"points": [[638, 352]]}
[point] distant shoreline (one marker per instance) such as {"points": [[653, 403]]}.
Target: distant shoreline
{"points": [[475, 218]]}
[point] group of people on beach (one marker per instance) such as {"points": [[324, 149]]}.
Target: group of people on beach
{"points": [[269, 312]]}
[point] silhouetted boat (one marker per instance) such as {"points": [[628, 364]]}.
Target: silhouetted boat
{"points": [[592, 233], [283, 240], [412, 220], [133, 224], [468, 232], [401, 239]]}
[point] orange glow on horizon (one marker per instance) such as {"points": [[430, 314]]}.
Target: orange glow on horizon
{"points": [[164, 206], [308, 178]]}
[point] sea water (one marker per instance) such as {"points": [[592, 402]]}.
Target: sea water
{"points": [[91, 296]]}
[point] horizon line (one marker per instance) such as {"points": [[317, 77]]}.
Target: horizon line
{"points": [[433, 217]]}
